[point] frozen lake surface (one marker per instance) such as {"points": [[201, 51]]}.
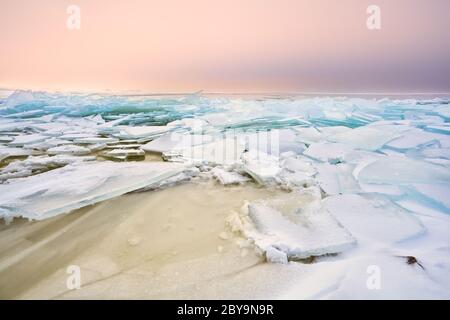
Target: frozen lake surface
{"points": [[362, 184]]}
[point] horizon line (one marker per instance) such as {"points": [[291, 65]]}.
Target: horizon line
{"points": [[142, 93]]}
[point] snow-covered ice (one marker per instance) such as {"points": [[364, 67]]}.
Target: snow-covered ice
{"points": [[314, 234]]}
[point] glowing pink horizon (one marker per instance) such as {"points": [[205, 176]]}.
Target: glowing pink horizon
{"points": [[233, 45]]}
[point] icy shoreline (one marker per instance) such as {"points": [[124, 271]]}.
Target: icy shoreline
{"points": [[373, 174]]}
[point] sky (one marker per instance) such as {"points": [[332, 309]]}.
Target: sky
{"points": [[226, 46]]}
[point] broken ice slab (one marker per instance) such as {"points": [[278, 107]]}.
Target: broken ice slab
{"points": [[337, 179], [228, 177], [262, 167], [294, 164], [274, 255], [75, 135], [6, 139], [125, 154], [19, 97], [47, 144], [224, 151], [296, 171], [96, 147], [441, 162], [186, 175], [442, 153], [436, 195], [443, 111], [383, 189], [313, 134], [275, 141], [50, 128], [6, 152], [175, 141], [445, 129], [314, 234], [365, 138], [294, 180], [33, 165], [123, 146], [20, 141], [401, 170], [138, 132], [95, 140], [77, 185], [412, 139], [8, 128], [328, 152], [69, 150], [194, 125], [373, 218]]}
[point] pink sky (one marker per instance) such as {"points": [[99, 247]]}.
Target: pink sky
{"points": [[232, 45]]}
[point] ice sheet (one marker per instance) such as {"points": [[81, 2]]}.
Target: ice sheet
{"points": [[398, 170], [372, 218], [77, 185], [314, 235], [365, 138]]}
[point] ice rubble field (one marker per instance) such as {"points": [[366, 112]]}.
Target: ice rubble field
{"points": [[367, 181]]}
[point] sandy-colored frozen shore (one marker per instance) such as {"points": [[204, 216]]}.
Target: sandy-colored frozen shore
{"points": [[170, 243]]}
